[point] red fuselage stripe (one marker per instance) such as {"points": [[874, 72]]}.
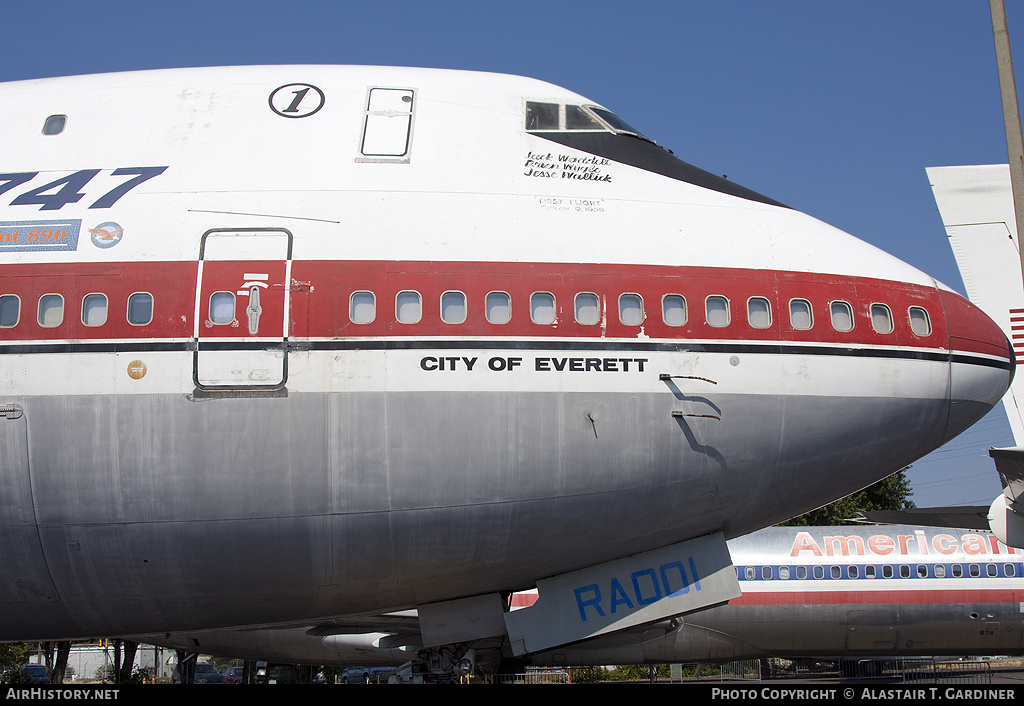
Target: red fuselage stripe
{"points": [[890, 596], [887, 597], [320, 293]]}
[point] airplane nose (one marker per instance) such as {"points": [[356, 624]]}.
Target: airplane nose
{"points": [[982, 363]]}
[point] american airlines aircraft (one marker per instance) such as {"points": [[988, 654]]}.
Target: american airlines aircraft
{"points": [[831, 592], [822, 592], [286, 344]]}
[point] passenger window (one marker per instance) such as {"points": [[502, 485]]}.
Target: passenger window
{"points": [[541, 116], [853, 571], [631, 310], [453, 307], [940, 571], [886, 572], [819, 572], [673, 310], [1009, 571], [140, 308], [51, 310], [992, 570], [766, 572], [881, 318], [542, 308], [835, 572], [222, 307], [958, 571], [800, 316], [904, 571], [922, 571], [499, 307], [362, 307], [869, 571], [588, 309], [408, 307], [10, 310], [716, 308], [784, 572], [842, 316], [974, 570], [94, 309], [920, 324], [801, 572], [748, 573], [759, 312]]}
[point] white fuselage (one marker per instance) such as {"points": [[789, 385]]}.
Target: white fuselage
{"points": [[283, 343]]}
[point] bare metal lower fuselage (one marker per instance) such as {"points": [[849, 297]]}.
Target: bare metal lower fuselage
{"points": [[359, 502]]}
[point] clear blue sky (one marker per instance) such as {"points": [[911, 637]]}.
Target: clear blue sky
{"points": [[834, 108]]}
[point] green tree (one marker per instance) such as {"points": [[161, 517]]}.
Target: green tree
{"points": [[892, 493], [636, 672], [13, 655], [588, 674]]}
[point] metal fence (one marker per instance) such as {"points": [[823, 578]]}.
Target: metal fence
{"points": [[898, 669], [887, 669], [746, 670], [948, 672], [547, 676]]}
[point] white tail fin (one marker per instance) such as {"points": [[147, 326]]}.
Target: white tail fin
{"points": [[976, 205]]}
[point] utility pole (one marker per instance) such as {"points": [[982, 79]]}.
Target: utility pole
{"points": [[1011, 115]]}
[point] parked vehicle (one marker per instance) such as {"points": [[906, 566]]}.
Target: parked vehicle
{"points": [[265, 674], [34, 673], [205, 673], [366, 675]]}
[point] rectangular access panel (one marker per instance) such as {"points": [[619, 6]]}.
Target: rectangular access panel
{"points": [[387, 130]]}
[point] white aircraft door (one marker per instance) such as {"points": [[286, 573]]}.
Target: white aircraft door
{"points": [[242, 304]]}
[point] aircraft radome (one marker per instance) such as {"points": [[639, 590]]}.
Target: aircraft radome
{"points": [[284, 344]]}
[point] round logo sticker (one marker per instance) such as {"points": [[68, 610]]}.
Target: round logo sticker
{"points": [[136, 370], [106, 235]]}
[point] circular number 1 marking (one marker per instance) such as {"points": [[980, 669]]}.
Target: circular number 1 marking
{"points": [[296, 100]]}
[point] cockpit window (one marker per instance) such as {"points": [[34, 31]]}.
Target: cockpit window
{"points": [[556, 117], [617, 123], [576, 118], [602, 133], [541, 116]]}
